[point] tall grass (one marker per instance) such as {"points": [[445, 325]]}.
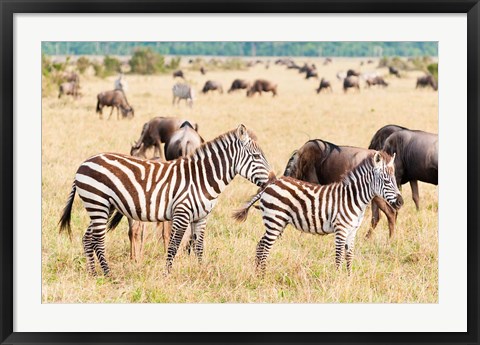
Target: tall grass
{"points": [[301, 267]]}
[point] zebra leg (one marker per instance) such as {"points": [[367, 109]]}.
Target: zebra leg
{"points": [[89, 251], [349, 247], [273, 231], [98, 242], [198, 230], [340, 240], [179, 225]]}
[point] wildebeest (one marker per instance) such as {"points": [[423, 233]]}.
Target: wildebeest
{"points": [[239, 84], [352, 72], [179, 74], [115, 99], [212, 85], [350, 82], [155, 132], [427, 80], [262, 85], [327, 61], [324, 84], [183, 142], [417, 157], [322, 162], [376, 81], [203, 70], [70, 77], [394, 71], [69, 88], [311, 73]]}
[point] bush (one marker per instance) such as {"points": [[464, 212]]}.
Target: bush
{"points": [[146, 61], [174, 63], [82, 64], [111, 66], [433, 69]]}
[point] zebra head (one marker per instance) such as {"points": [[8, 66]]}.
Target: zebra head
{"points": [[385, 184], [251, 162]]}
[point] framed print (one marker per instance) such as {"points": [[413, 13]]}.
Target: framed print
{"points": [[124, 129]]}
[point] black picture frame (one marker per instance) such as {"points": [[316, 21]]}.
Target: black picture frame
{"points": [[7, 175]]}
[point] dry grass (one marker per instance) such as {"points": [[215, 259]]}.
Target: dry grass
{"points": [[301, 267]]}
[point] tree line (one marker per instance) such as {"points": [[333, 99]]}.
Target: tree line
{"points": [[347, 49]]}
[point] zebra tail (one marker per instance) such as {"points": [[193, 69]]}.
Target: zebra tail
{"points": [[114, 220], [67, 211], [242, 214]]}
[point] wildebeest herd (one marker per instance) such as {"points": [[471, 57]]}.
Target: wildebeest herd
{"points": [[325, 187]]}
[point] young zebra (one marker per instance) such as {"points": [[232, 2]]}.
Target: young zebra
{"points": [[183, 191], [335, 208], [183, 91]]}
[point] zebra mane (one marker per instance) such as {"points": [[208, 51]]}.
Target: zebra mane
{"points": [[222, 137], [350, 176]]}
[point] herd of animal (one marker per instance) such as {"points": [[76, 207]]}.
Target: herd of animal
{"points": [[325, 188]]}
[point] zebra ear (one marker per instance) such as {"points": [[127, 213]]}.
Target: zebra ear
{"points": [[242, 133], [377, 159]]}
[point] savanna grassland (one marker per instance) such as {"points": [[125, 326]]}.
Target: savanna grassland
{"points": [[301, 267]]}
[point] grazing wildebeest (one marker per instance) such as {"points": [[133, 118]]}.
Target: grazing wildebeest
{"points": [[211, 85], [70, 77], [394, 71], [262, 85], [155, 132], [178, 74], [239, 84], [324, 84], [183, 91], [183, 142], [350, 82], [352, 72], [311, 73], [203, 70], [115, 99], [369, 61], [69, 88], [322, 162], [327, 61], [376, 81], [427, 80], [417, 157]]}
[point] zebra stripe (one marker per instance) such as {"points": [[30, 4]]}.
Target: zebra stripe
{"points": [[183, 191], [335, 208], [183, 91]]}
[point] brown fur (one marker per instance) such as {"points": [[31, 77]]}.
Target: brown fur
{"points": [[115, 99], [155, 132], [239, 84], [262, 85]]}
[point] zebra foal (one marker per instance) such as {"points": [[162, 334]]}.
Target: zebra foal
{"points": [[183, 191], [335, 208]]}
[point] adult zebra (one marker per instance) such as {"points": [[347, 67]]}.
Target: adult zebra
{"points": [[183, 91], [183, 191], [335, 208]]}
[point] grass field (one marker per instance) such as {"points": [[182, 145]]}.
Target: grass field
{"points": [[301, 267]]}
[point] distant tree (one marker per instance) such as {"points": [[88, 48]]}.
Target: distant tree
{"points": [[146, 61]]}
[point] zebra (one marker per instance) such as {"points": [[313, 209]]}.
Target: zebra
{"points": [[183, 91], [120, 83], [324, 209], [184, 191]]}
